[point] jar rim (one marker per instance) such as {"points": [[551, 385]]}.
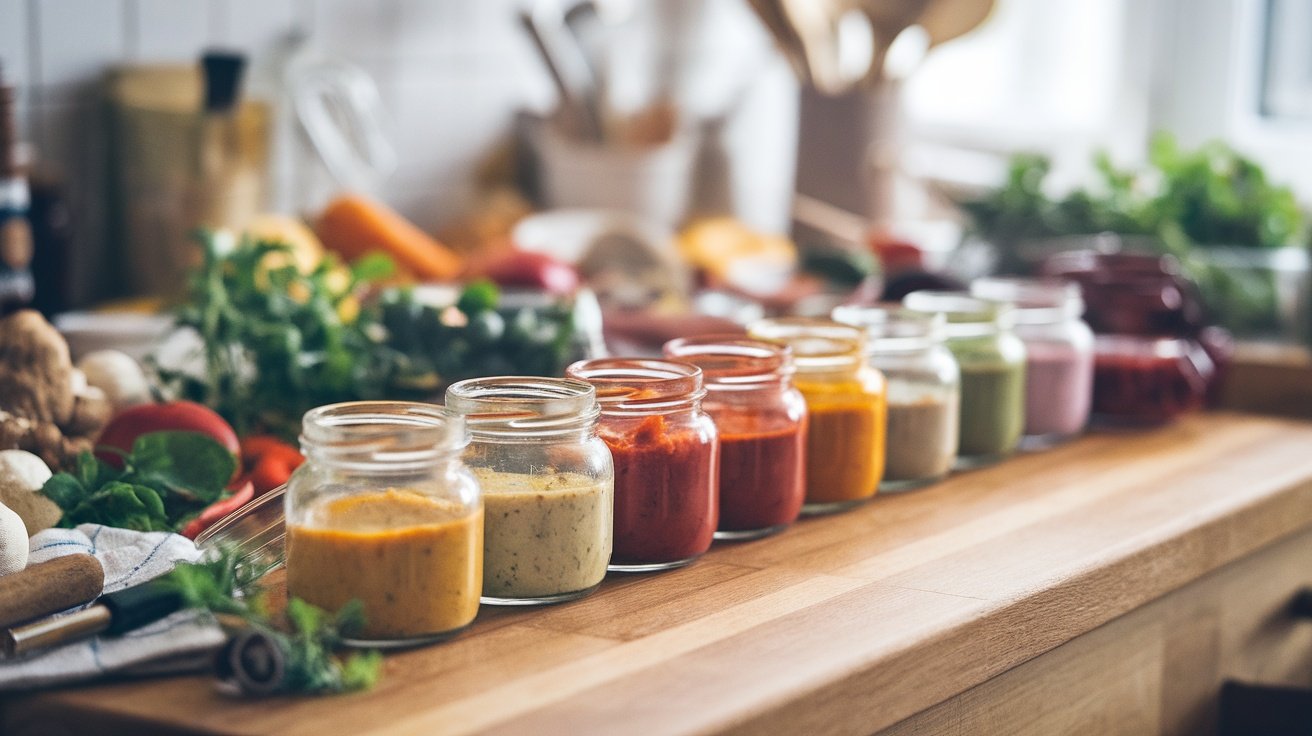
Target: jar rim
{"points": [[817, 344], [382, 435], [730, 361], [640, 385], [892, 327], [1043, 300], [508, 407], [965, 315]]}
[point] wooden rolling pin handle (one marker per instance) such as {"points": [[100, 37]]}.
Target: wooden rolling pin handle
{"points": [[49, 587]]}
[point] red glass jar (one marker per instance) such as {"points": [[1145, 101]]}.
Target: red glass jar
{"points": [[1145, 381], [666, 455], [761, 420]]}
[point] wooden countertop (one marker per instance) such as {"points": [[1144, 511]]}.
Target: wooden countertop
{"points": [[843, 624]]}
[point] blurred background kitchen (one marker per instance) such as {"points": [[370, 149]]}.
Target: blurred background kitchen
{"points": [[729, 158]]}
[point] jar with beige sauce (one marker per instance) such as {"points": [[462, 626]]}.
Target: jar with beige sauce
{"points": [[548, 485], [924, 387]]}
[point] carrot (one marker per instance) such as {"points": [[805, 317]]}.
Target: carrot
{"points": [[354, 226]]}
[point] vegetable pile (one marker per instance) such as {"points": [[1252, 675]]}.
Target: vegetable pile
{"points": [[279, 340]]}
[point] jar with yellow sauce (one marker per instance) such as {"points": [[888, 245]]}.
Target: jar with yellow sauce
{"points": [[847, 402], [385, 512], [548, 486]]}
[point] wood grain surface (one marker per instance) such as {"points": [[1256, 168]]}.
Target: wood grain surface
{"points": [[845, 624]]}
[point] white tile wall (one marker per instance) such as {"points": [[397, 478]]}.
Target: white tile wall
{"points": [[451, 73]]}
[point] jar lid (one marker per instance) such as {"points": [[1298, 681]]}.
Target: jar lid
{"points": [[523, 407]]}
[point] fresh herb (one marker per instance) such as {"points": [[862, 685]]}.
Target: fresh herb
{"points": [[228, 583], [1182, 199], [278, 342], [166, 479], [1210, 196]]}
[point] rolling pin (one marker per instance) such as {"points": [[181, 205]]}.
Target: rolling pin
{"points": [[49, 587]]}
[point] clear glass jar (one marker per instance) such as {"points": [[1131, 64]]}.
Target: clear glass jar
{"points": [[846, 401], [761, 420], [666, 456], [924, 391], [1058, 354], [1146, 381], [384, 511], [548, 486], [992, 361]]}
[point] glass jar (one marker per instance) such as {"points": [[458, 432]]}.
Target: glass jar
{"points": [[1058, 354], [384, 511], [992, 362], [666, 457], [548, 486], [846, 401], [761, 420], [924, 391], [1147, 381]]}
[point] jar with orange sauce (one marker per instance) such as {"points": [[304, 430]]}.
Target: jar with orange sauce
{"points": [[383, 511], [847, 404]]}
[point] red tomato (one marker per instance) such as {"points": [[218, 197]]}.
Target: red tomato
{"points": [[217, 510], [896, 255], [176, 416], [268, 462], [536, 270]]}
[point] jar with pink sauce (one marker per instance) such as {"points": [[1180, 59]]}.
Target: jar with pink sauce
{"points": [[1059, 354]]}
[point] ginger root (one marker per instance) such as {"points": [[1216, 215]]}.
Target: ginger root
{"points": [[41, 410]]}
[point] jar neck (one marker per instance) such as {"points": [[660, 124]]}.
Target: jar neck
{"points": [[382, 437], [966, 317], [1037, 301], [732, 364], [819, 347], [525, 409], [628, 387]]}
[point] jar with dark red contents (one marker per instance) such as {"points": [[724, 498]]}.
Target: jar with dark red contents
{"points": [[761, 421], [666, 455], [1146, 381]]}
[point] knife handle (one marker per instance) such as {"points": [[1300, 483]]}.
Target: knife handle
{"points": [[134, 607]]}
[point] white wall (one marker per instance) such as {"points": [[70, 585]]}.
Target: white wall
{"points": [[451, 74]]}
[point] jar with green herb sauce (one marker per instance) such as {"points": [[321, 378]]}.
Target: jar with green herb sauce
{"points": [[991, 358]]}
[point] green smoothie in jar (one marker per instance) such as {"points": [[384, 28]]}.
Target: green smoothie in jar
{"points": [[992, 362]]}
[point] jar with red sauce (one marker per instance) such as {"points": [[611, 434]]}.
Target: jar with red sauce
{"points": [[666, 453], [761, 421]]}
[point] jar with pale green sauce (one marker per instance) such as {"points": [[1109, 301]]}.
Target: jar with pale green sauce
{"points": [[991, 359], [548, 484]]}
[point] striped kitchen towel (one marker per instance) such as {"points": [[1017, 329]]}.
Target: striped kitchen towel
{"points": [[180, 642]]}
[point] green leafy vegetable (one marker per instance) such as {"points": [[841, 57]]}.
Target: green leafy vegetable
{"points": [[278, 342], [166, 479], [229, 583], [1181, 202]]}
